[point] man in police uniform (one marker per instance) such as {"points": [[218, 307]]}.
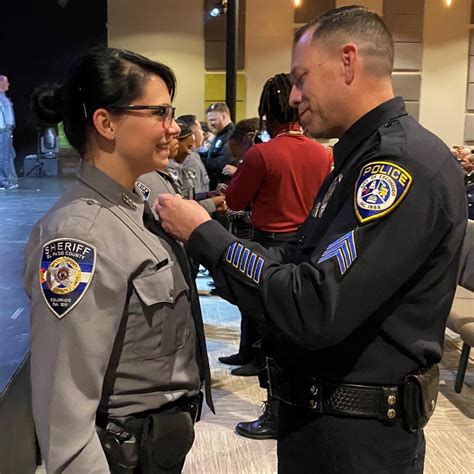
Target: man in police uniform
{"points": [[219, 154], [363, 293]]}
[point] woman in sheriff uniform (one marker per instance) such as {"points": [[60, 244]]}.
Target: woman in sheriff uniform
{"points": [[117, 343]]}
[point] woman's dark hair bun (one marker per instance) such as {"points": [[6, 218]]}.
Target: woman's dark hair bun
{"points": [[48, 103]]}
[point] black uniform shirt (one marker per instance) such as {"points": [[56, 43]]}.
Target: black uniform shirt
{"points": [[218, 156], [363, 293]]}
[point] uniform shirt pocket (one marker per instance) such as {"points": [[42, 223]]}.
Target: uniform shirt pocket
{"points": [[159, 312]]}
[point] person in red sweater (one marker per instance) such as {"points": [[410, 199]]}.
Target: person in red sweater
{"points": [[279, 180]]}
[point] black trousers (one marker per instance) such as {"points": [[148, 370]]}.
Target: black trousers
{"points": [[327, 444]]}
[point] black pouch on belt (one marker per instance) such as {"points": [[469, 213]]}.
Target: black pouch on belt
{"points": [[420, 393], [166, 439]]}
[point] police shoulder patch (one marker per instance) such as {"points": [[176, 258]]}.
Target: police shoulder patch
{"points": [[380, 188], [66, 270]]}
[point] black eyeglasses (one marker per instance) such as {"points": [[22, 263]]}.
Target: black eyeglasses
{"points": [[165, 112]]}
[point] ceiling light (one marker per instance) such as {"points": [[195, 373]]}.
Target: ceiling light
{"points": [[218, 8]]}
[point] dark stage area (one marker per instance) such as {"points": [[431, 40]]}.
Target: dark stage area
{"points": [[19, 210]]}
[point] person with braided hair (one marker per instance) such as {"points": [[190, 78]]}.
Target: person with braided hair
{"points": [[278, 180]]}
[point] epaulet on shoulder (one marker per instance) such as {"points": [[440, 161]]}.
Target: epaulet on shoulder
{"points": [[82, 212], [392, 137]]}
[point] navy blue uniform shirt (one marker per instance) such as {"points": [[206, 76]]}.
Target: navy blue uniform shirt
{"points": [[363, 293]]}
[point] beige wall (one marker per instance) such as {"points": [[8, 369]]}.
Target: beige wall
{"points": [[170, 31], [374, 5], [268, 45], [445, 68]]}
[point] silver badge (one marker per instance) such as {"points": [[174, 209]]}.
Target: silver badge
{"points": [[129, 201], [328, 195]]}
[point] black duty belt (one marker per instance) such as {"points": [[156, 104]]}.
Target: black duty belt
{"points": [[263, 234], [319, 397], [192, 404]]}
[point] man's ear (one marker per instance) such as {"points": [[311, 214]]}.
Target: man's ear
{"points": [[349, 57], [104, 123]]}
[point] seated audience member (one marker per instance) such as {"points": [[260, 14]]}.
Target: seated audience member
{"points": [[467, 164]]}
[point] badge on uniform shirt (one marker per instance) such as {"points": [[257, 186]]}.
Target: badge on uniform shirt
{"points": [[144, 189], [381, 187], [328, 195], [66, 270], [191, 173], [173, 173], [344, 250], [248, 263]]}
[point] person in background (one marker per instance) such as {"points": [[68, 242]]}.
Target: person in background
{"points": [[467, 163], [278, 180], [219, 154], [193, 163], [207, 137], [361, 296], [241, 139], [8, 176], [118, 354]]}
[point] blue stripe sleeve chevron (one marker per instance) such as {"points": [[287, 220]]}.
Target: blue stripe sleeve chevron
{"points": [[248, 263], [343, 250]]}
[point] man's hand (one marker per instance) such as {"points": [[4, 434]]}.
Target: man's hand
{"points": [[220, 204], [229, 170], [179, 217]]}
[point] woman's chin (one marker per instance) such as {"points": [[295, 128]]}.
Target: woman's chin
{"points": [[161, 161]]}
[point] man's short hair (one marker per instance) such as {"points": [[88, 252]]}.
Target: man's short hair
{"points": [[361, 26], [218, 107]]}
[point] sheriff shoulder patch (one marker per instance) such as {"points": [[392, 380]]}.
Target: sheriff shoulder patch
{"points": [[248, 263], [145, 190], [344, 250], [381, 187], [66, 270]]}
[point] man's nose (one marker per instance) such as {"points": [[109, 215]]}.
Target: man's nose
{"points": [[295, 97]]}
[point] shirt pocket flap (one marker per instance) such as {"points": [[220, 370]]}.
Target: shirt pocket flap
{"points": [[162, 286]]}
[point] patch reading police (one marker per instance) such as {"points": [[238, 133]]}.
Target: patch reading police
{"points": [[66, 270], [144, 189], [344, 250], [248, 263], [381, 187]]}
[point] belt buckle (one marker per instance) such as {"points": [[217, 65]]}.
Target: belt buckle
{"points": [[315, 396]]}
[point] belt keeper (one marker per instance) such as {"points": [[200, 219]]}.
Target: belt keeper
{"points": [[315, 396], [391, 408]]}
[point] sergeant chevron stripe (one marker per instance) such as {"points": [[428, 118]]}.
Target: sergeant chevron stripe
{"points": [[344, 250], [247, 262]]}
